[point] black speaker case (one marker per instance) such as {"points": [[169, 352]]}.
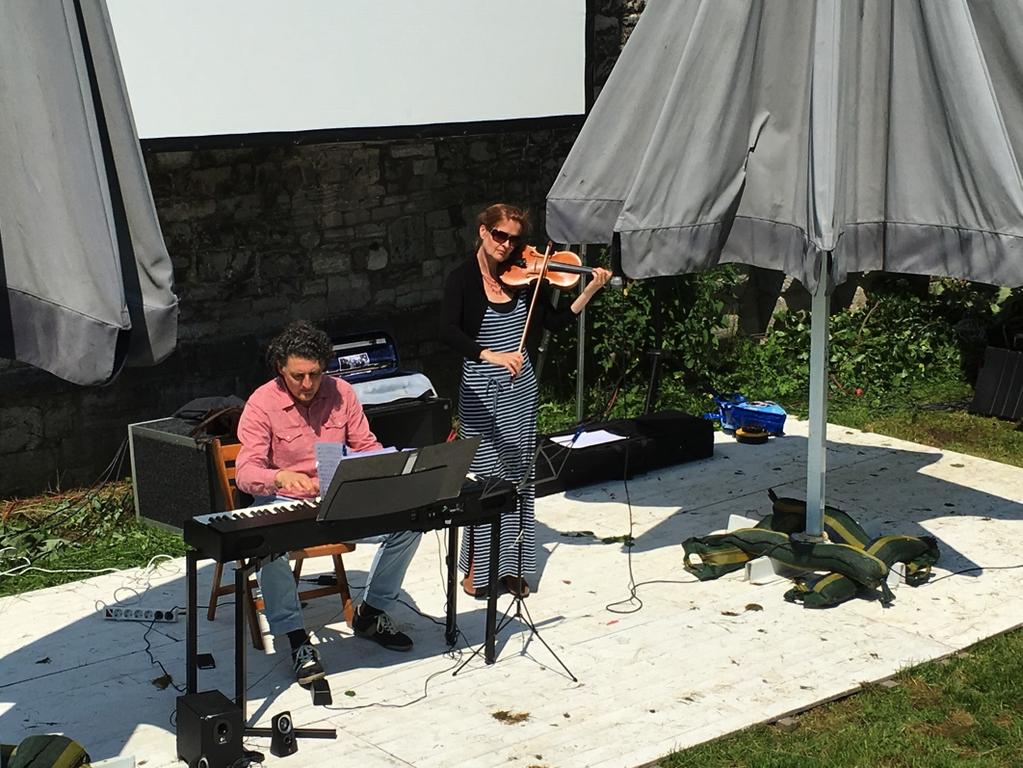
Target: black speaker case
{"points": [[999, 389], [170, 472], [651, 442], [209, 725]]}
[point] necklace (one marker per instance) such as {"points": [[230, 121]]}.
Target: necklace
{"points": [[489, 281]]}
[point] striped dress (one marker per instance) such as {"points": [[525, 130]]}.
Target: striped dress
{"points": [[503, 413]]}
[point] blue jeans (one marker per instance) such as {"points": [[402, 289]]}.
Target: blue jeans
{"points": [[280, 593]]}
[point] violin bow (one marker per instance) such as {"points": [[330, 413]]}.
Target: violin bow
{"points": [[532, 304]]}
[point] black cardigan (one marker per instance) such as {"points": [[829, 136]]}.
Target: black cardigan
{"points": [[465, 303]]}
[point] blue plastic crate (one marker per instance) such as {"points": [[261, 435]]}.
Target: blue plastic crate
{"points": [[736, 411]]}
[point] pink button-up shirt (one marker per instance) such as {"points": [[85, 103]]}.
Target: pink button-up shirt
{"points": [[276, 433]]}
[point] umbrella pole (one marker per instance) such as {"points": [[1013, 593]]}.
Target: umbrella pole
{"points": [[580, 349], [823, 174], [817, 439]]}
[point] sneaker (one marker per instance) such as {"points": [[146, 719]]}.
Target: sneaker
{"points": [[307, 664], [381, 628]]}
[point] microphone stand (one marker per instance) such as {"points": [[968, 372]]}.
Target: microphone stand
{"points": [[522, 612], [518, 602]]}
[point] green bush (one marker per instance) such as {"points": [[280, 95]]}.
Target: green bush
{"points": [[681, 315], [898, 340], [876, 352]]}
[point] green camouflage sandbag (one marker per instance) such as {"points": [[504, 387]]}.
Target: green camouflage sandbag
{"points": [[48, 752], [789, 516], [857, 564], [715, 558], [917, 553]]}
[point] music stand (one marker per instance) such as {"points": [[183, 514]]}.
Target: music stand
{"points": [[455, 453], [386, 483], [392, 483]]}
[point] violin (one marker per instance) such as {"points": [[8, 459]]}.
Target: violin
{"points": [[563, 268]]}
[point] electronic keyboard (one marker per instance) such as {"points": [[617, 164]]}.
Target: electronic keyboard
{"points": [[268, 529]]}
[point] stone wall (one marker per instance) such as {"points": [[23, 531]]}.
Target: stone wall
{"points": [[354, 236]]}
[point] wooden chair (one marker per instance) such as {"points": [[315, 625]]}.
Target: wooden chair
{"points": [[223, 458]]}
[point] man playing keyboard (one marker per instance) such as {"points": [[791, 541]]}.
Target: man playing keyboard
{"points": [[279, 428]]}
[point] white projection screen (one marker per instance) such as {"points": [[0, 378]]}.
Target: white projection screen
{"points": [[199, 68]]}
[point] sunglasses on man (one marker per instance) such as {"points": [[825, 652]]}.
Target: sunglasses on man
{"points": [[501, 237]]}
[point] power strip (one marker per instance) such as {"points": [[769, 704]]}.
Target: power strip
{"points": [[139, 614]]}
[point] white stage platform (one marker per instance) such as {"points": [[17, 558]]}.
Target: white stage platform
{"points": [[693, 662]]}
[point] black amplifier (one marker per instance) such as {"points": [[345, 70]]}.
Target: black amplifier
{"points": [[410, 423]]}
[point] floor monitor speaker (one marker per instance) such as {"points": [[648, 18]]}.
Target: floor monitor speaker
{"points": [[650, 442], [209, 730], [170, 472]]}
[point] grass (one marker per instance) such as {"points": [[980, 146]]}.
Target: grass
{"points": [[57, 538], [932, 415], [986, 437], [961, 712]]}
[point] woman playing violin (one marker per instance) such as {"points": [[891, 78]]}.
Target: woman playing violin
{"points": [[483, 319]]}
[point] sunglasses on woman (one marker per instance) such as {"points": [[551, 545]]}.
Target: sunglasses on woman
{"points": [[500, 236]]}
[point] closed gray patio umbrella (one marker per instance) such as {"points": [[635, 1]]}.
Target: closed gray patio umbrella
{"points": [[85, 278], [817, 137]]}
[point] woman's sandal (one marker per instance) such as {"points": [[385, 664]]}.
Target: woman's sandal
{"points": [[516, 585], [472, 591]]}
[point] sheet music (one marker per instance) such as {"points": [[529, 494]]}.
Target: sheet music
{"points": [[329, 455], [586, 439]]}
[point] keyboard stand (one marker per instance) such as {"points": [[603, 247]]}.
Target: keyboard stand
{"points": [[321, 693], [320, 689], [451, 626]]}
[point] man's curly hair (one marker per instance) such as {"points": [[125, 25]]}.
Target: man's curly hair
{"points": [[299, 339]]}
